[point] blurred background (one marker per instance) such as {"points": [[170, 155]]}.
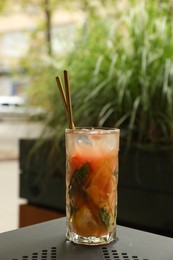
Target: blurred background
{"points": [[24, 29], [119, 55]]}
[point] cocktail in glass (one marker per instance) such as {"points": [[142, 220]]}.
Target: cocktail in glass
{"points": [[91, 184]]}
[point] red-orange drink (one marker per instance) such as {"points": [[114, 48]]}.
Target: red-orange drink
{"points": [[91, 184]]}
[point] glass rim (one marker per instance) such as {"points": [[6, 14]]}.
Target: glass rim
{"points": [[92, 130]]}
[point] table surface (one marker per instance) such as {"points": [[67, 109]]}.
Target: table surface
{"points": [[46, 241]]}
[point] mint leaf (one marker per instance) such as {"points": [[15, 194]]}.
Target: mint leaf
{"points": [[105, 217], [78, 179]]}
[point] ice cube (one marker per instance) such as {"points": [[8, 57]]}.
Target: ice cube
{"points": [[83, 139]]}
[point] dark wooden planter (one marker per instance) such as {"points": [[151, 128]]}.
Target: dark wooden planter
{"points": [[145, 184], [146, 189], [42, 174]]}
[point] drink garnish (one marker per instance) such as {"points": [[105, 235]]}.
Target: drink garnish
{"points": [[105, 217], [78, 179]]}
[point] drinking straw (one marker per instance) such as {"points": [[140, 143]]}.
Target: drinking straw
{"points": [[61, 90], [66, 98]]}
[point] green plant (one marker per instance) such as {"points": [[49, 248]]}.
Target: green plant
{"points": [[150, 65], [121, 72]]}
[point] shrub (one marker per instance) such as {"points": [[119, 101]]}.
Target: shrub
{"points": [[121, 74]]}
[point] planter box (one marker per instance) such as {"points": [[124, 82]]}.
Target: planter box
{"points": [[145, 184], [42, 174], [146, 189]]}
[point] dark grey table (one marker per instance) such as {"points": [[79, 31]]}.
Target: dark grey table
{"points": [[46, 241]]}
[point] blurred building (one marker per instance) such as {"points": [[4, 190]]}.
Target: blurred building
{"points": [[15, 32]]}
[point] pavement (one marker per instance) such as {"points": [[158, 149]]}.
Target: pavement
{"points": [[10, 133], [9, 198]]}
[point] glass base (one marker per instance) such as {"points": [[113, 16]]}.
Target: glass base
{"points": [[91, 240]]}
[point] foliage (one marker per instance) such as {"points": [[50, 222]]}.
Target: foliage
{"points": [[150, 65], [121, 74]]}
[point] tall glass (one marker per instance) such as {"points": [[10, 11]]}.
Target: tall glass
{"points": [[91, 184]]}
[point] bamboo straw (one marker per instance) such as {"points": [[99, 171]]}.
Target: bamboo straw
{"points": [[66, 98], [61, 90]]}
